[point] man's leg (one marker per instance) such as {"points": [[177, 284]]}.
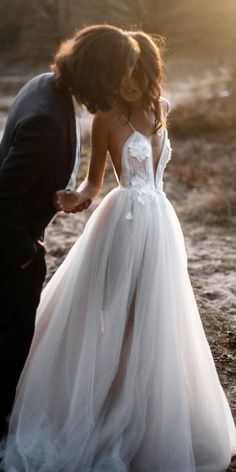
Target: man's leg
{"points": [[19, 297]]}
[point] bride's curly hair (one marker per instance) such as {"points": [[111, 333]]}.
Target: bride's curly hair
{"points": [[149, 74], [92, 64]]}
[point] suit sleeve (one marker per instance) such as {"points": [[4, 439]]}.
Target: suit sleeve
{"points": [[33, 148]]}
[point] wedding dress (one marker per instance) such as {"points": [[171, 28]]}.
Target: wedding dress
{"points": [[120, 377]]}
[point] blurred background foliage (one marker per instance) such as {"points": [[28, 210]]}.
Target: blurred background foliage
{"points": [[31, 30]]}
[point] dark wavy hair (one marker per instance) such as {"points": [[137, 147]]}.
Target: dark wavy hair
{"points": [[92, 64], [148, 71]]}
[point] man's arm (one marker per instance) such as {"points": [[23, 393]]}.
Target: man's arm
{"points": [[32, 151]]}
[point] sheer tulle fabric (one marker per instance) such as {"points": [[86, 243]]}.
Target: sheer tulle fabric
{"points": [[120, 377]]}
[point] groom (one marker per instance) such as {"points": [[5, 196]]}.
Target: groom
{"points": [[39, 155]]}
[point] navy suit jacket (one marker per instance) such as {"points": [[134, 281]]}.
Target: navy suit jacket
{"points": [[37, 155]]}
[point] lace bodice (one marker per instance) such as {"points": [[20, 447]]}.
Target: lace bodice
{"points": [[137, 167]]}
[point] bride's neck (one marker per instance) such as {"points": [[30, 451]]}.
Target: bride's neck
{"points": [[130, 108], [137, 105]]}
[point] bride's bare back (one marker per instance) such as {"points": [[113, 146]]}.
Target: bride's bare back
{"points": [[119, 128], [110, 132]]}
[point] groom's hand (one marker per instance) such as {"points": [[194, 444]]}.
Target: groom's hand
{"points": [[56, 201]]}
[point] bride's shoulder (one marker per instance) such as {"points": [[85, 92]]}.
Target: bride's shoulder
{"points": [[104, 123], [106, 119]]}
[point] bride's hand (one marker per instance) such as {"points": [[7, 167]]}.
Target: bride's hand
{"points": [[66, 200], [70, 201], [83, 206]]}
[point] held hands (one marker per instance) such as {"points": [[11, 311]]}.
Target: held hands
{"points": [[67, 200], [70, 201]]}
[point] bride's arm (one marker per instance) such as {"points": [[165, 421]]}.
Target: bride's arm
{"points": [[90, 187]]}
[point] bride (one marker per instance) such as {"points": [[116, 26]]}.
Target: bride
{"points": [[120, 377]]}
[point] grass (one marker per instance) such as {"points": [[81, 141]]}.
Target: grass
{"points": [[204, 161]]}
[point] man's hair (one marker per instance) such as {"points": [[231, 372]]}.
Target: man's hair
{"points": [[92, 64]]}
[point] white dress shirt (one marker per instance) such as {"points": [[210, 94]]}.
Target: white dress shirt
{"points": [[72, 181]]}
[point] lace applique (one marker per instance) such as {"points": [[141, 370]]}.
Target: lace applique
{"points": [[141, 180], [129, 216], [138, 153], [139, 150]]}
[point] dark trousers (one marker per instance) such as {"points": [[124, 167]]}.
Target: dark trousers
{"points": [[19, 297]]}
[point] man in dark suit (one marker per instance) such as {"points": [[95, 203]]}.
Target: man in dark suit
{"points": [[37, 157]]}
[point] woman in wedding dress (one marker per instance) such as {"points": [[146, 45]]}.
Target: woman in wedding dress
{"points": [[120, 377]]}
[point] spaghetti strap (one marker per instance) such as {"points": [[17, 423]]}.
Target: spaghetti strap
{"points": [[131, 126], [128, 122]]}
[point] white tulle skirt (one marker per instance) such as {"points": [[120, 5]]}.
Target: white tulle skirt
{"points": [[120, 377]]}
